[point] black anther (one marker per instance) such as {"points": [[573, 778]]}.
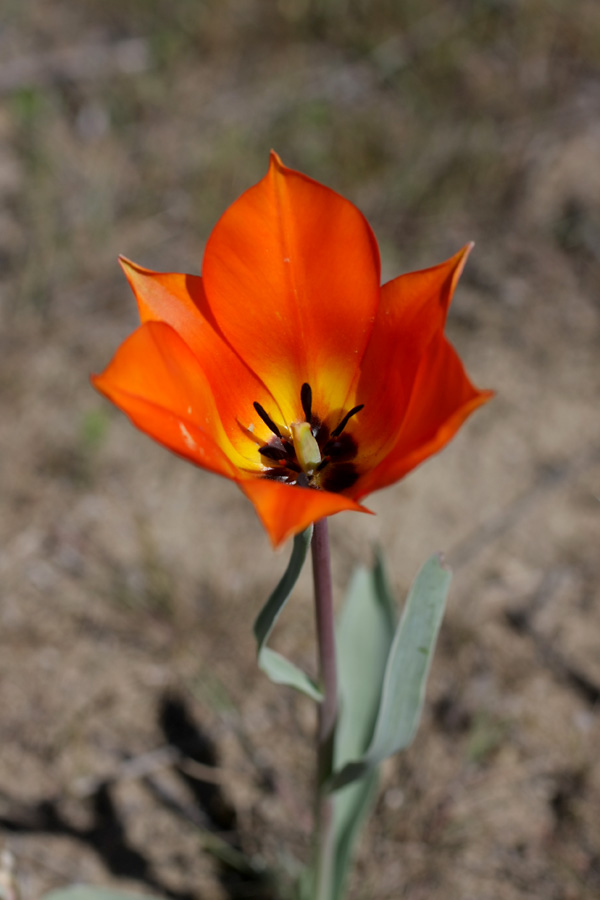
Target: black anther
{"points": [[266, 419], [271, 452], [306, 400], [338, 430]]}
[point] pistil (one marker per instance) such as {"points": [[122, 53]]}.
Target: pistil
{"points": [[306, 447]]}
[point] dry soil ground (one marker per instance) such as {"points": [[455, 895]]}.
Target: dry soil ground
{"points": [[129, 580]]}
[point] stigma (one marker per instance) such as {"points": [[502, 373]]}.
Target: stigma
{"points": [[306, 447]]}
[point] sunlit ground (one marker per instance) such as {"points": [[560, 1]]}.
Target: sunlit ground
{"points": [[130, 580]]}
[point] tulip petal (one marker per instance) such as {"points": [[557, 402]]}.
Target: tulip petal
{"points": [[179, 300], [286, 509], [291, 273], [156, 380], [412, 311], [442, 398]]}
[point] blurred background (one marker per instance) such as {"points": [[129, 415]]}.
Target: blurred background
{"points": [[140, 745]]}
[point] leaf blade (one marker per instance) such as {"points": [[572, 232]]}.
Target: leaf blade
{"points": [[279, 669], [365, 631], [407, 668], [409, 662], [90, 892]]}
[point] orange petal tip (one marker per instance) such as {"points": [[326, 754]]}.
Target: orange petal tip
{"points": [[275, 160], [129, 266], [286, 510], [461, 261]]}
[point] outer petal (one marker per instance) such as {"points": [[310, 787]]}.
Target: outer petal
{"points": [[291, 273], [286, 509], [442, 398], [412, 312], [180, 301], [156, 380]]}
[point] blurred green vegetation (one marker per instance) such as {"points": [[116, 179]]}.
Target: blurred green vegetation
{"points": [[487, 735], [430, 115]]}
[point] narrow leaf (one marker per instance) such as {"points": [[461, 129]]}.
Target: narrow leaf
{"points": [[89, 892], [353, 804], [406, 672], [409, 662], [279, 669], [364, 636], [384, 591]]}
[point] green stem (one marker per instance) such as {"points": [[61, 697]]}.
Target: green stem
{"points": [[328, 711]]}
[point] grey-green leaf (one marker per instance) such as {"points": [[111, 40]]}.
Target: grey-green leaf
{"points": [[89, 892], [364, 636], [406, 672], [352, 805], [279, 669]]}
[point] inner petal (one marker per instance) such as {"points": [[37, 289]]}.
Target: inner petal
{"points": [[291, 273]]}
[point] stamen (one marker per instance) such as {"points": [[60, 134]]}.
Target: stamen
{"points": [[338, 430], [306, 453], [267, 418], [275, 453], [248, 431], [340, 448], [340, 478], [306, 400]]}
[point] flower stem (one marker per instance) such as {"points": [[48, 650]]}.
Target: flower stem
{"points": [[328, 711]]}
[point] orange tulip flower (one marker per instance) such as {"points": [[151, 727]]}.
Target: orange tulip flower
{"points": [[286, 367]]}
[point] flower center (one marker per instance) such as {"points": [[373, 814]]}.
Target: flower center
{"points": [[307, 453]]}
